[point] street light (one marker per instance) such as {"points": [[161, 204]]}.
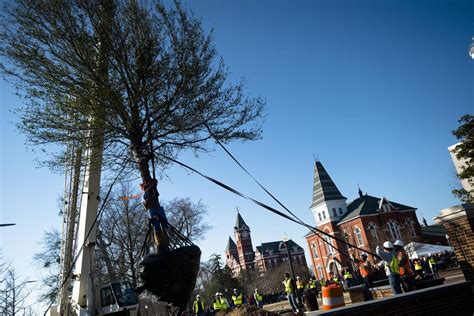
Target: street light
{"points": [[285, 241]]}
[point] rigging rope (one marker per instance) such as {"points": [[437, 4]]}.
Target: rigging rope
{"points": [[270, 194], [269, 208]]}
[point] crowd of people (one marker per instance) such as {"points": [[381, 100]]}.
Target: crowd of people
{"points": [[222, 303], [394, 265]]}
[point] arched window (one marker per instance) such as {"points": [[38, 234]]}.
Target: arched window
{"points": [[373, 232], [320, 272], [315, 250], [410, 224], [358, 236], [394, 229]]}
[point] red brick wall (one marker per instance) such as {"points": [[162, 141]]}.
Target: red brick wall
{"points": [[461, 236]]}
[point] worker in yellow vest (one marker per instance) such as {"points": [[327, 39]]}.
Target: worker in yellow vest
{"points": [[219, 303], [258, 299], [237, 298], [348, 278], [290, 290], [198, 306], [418, 268], [406, 274], [390, 261], [299, 289], [433, 266]]}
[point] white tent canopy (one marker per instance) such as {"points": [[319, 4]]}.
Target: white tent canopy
{"points": [[418, 249]]}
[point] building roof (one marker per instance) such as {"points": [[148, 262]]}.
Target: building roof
{"points": [[434, 230], [240, 223], [231, 245], [274, 247], [369, 205], [324, 188]]}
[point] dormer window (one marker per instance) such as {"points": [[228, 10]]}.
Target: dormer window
{"points": [[324, 214], [334, 212], [385, 208], [340, 211], [319, 215]]}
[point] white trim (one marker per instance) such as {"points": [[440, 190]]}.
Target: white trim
{"points": [[333, 301]]}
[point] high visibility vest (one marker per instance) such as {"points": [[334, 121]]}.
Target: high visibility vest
{"points": [[322, 282], [219, 304], [288, 286], [198, 306], [335, 279], [237, 299], [418, 266], [347, 275], [432, 262], [299, 284], [312, 284], [258, 297], [404, 269], [393, 265], [365, 269]]}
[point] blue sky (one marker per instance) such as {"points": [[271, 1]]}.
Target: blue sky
{"points": [[374, 88]]}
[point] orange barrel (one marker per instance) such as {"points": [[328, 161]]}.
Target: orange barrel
{"points": [[332, 296]]}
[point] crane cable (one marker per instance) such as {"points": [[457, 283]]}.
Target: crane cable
{"points": [[270, 194], [263, 205]]}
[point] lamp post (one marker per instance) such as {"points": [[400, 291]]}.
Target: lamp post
{"points": [[285, 241]]}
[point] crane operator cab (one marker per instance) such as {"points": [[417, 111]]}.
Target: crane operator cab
{"points": [[117, 298]]}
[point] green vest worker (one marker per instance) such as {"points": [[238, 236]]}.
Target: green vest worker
{"points": [[198, 306], [258, 298], [288, 286], [237, 298], [219, 303]]}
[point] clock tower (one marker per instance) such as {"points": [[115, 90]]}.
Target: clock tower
{"points": [[244, 244]]}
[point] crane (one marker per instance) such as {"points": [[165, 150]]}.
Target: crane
{"points": [[87, 299]]}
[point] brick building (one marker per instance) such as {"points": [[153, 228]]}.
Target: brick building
{"points": [[240, 255], [367, 221]]}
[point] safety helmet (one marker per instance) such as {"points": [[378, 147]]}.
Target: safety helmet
{"points": [[388, 245], [235, 290], [198, 296], [298, 277], [217, 294], [398, 243], [364, 254], [256, 290]]}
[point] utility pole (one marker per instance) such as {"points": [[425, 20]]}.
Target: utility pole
{"points": [[285, 241]]}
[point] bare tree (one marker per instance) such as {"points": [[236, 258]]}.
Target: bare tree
{"points": [[14, 292], [187, 217], [48, 261]]}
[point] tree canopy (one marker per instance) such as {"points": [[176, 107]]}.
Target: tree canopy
{"points": [[148, 72], [465, 151]]}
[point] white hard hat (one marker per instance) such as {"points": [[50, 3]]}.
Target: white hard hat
{"points": [[198, 296], [388, 244], [399, 243], [364, 254], [217, 294], [256, 290]]}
